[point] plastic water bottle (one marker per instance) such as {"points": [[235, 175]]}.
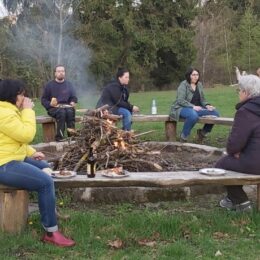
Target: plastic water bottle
{"points": [[154, 108]]}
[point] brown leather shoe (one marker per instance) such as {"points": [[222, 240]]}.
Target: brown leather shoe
{"points": [[56, 238]]}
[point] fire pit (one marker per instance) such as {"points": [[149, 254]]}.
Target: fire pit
{"points": [[115, 147]]}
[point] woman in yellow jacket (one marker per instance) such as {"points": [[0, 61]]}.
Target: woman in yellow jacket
{"points": [[20, 165]]}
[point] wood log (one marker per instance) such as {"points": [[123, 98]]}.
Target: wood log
{"points": [[13, 210]]}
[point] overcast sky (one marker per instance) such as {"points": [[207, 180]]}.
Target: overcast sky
{"points": [[3, 11]]}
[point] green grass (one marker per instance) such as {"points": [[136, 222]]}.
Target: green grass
{"points": [[223, 97], [178, 230]]}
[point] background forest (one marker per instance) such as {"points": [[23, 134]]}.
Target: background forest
{"points": [[155, 39]]}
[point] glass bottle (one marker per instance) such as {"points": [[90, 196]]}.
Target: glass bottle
{"points": [[91, 164], [154, 107]]}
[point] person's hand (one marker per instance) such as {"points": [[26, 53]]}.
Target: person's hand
{"points": [[73, 104], [38, 156], [54, 102], [27, 103], [210, 108], [104, 112], [236, 155], [136, 109], [197, 108]]}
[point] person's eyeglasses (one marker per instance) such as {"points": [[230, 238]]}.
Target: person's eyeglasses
{"points": [[194, 74]]}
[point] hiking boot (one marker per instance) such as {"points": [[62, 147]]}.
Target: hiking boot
{"points": [[183, 139], [57, 239], [227, 203], [244, 206], [201, 135]]}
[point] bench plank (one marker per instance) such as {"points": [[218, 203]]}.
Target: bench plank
{"points": [[159, 179], [14, 202], [163, 179], [49, 125]]}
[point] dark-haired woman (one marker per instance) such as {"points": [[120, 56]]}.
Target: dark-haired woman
{"points": [[190, 104], [115, 94], [20, 165]]}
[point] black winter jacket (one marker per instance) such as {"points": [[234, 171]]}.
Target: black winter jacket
{"points": [[244, 139], [115, 95]]}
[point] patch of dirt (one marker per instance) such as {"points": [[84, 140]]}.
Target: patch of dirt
{"points": [[178, 157]]}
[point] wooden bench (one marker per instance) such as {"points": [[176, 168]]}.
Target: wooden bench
{"points": [[171, 125], [14, 202], [49, 127]]}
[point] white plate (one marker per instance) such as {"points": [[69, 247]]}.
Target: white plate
{"points": [[209, 116], [111, 174], [212, 171], [56, 174]]}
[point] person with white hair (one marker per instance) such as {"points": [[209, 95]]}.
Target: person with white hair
{"points": [[243, 145], [258, 72]]}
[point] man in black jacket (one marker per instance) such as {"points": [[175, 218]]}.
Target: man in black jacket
{"points": [[115, 94]]}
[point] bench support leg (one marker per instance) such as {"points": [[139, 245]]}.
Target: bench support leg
{"points": [[258, 197], [170, 130], [13, 210], [49, 131]]}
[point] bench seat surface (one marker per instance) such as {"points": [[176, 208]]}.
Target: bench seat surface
{"points": [[159, 179]]}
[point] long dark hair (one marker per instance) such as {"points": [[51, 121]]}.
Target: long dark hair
{"points": [[189, 72], [10, 89]]}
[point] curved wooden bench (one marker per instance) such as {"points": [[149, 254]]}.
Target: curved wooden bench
{"points": [[14, 202], [49, 125]]}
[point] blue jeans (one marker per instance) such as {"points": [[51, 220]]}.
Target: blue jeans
{"points": [[127, 118], [28, 175], [191, 117]]}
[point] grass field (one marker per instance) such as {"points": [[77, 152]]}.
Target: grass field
{"points": [[194, 229], [170, 230], [223, 97]]}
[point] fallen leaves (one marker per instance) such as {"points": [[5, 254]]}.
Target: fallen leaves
{"points": [[220, 235], [147, 242], [116, 244]]}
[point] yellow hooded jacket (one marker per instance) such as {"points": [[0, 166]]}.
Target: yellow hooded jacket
{"points": [[17, 130]]}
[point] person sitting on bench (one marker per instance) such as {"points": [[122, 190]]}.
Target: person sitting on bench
{"points": [[243, 146], [59, 99], [115, 94], [190, 104], [21, 166]]}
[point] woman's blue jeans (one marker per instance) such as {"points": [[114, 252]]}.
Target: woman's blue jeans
{"points": [[127, 118], [191, 117], [28, 175]]}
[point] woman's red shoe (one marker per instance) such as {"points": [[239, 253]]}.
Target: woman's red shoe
{"points": [[58, 239]]}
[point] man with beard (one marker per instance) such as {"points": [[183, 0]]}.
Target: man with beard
{"points": [[59, 99]]}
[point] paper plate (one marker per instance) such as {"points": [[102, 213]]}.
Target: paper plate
{"points": [[212, 171], [63, 174]]}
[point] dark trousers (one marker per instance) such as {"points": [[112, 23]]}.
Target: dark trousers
{"points": [[234, 192], [64, 116]]}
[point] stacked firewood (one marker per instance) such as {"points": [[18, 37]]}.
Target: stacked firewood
{"points": [[112, 146]]}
